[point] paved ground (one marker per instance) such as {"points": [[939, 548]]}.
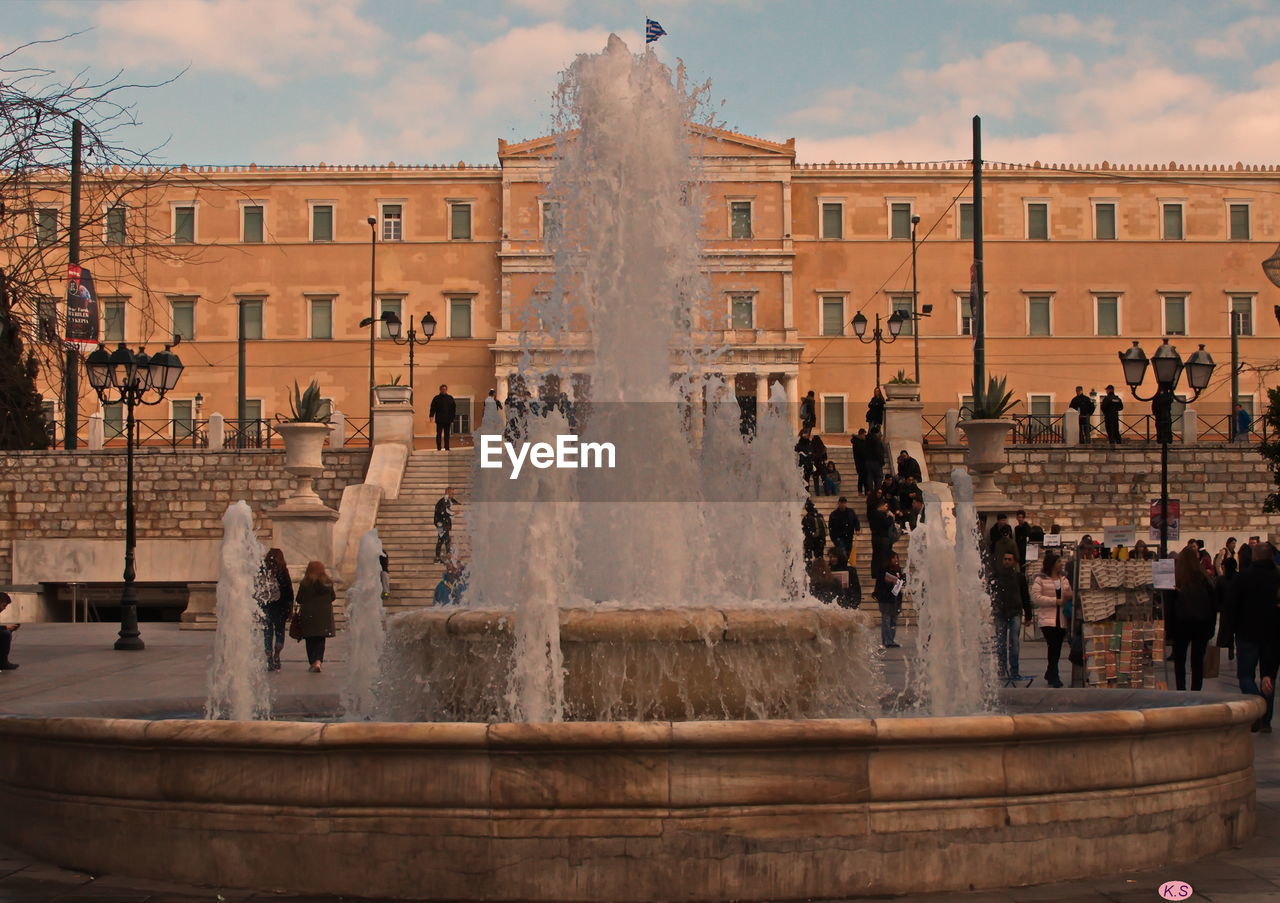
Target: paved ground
{"points": [[73, 662]]}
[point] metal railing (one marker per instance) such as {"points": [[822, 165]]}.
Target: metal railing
{"points": [[194, 434], [1038, 429]]}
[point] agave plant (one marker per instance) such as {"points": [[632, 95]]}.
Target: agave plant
{"points": [[306, 406], [901, 379], [994, 402]]}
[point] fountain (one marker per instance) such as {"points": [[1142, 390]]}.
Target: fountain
{"points": [[638, 701], [237, 682]]}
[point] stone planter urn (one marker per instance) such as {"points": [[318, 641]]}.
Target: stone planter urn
{"points": [[902, 391], [303, 447], [393, 394], [986, 457]]}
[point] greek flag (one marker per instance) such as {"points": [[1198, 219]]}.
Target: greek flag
{"points": [[652, 31]]}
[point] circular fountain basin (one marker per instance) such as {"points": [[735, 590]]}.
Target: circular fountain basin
{"points": [[1067, 784]]}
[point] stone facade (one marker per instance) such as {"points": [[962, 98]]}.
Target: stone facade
{"points": [[178, 495]]}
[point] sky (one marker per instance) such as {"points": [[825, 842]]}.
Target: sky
{"points": [[440, 81]]}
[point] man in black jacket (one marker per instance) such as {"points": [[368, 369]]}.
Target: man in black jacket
{"points": [[1021, 532], [842, 524], [1111, 405], [443, 410], [1010, 603], [858, 441], [908, 466], [1084, 406], [1253, 618]]}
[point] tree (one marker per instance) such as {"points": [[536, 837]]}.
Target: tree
{"points": [[1270, 446], [22, 423]]}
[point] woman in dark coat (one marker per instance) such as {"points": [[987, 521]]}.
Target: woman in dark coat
{"points": [[315, 611], [875, 410], [1194, 614], [273, 591]]}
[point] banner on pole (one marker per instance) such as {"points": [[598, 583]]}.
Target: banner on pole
{"points": [[82, 307], [1175, 520]]}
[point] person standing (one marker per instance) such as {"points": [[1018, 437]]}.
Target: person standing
{"points": [[1083, 405], [818, 462], [273, 591], [1051, 597], [1254, 621], [1112, 404], [1010, 602], [1193, 617], [443, 520], [6, 636], [889, 586], [814, 530], [858, 443], [874, 459], [1021, 533], [808, 411], [1227, 551], [492, 407], [804, 457], [315, 611], [443, 411], [842, 524], [875, 412], [1243, 423], [883, 532]]}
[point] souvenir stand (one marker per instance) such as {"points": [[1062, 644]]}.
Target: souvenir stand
{"points": [[1121, 624]]}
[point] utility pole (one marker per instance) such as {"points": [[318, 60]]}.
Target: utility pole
{"points": [[915, 301], [242, 403], [1235, 373], [977, 301], [71, 380]]}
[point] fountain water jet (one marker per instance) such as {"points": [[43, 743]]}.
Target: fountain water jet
{"points": [[238, 687], [365, 632]]}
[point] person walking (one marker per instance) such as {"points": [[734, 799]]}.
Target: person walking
{"points": [[1010, 603], [443, 520], [1083, 405], [492, 407], [804, 457], [889, 586], [273, 591], [1192, 618], [315, 611], [858, 442], [818, 462], [875, 411], [1112, 404], [808, 411], [1243, 423], [1228, 551], [1021, 533], [908, 467], [883, 533], [443, 411], [814, 530], [875, 455], [1051, 597], [6, 636], [1253, 620], [842, 525]]}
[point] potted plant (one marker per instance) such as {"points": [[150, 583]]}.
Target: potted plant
{"points": [[986, 428], [902, 388], [392, 392], [304, 432]]}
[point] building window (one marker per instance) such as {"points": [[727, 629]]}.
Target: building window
{"points": [[1038, 221], [1039, 318], [1104, 221], [392, 223], [184, 225], [833, 413], [459, 221], [183, 416], [1238, 216], [252, 317], [462, 419], [115, 233], [832, 219], [322, 222], [1040, 407], [47, 319], [1108, 315], [184, 318], [113, 420], [460, 318], [966, 220], [900, 219], [966, 406], [966, 314], [389, 305], [1172, 222], [740, 219], [833, 315], [741, 312], [1175, 314], [902, 304], [321, 318], [113, 321], [253, 230], [1242, 311], [46, 226]]}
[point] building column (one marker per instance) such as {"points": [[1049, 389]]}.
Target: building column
{"points": [[791, 382], [762, 396], [502, 387]]}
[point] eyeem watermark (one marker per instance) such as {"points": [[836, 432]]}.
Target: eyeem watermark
{"points": [[566, 454]]}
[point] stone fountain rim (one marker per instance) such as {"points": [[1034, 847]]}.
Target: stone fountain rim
{"points": [[74, 723]]}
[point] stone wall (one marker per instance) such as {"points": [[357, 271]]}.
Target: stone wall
{"points": [[177, 494], [1221, 487]]}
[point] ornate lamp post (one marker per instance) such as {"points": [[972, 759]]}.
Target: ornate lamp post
{"points": [[1168, 367], [877, 337], [126, 377], [915, 301], [411, 338]]}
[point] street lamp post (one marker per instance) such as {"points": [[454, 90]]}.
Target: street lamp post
{"points": [[877, 337], [411, 338], [915, 300], [373, 311], [125, 377], [1168, 367]]}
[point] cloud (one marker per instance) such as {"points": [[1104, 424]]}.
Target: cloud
{"points": [[1065, 26], [1233, 41], [267, 43], [546, 8]]}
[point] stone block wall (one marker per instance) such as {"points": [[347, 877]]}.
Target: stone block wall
{"points": [[177, 494], [1221, 487]]}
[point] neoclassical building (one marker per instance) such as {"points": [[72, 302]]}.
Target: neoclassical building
{"points": [[1080, 260]]}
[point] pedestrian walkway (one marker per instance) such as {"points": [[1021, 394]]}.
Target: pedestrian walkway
{"points": [[75, 662]]}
